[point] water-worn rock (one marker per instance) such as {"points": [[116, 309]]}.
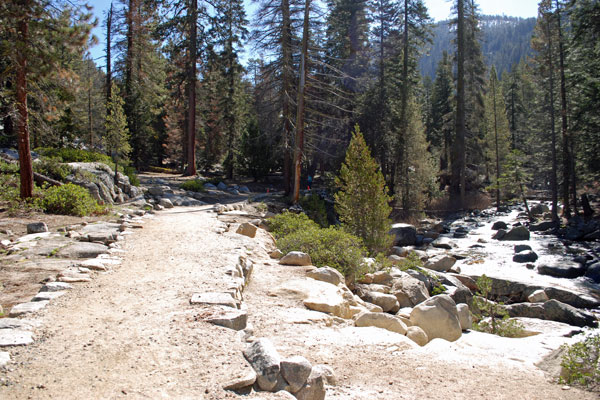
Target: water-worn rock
{"points": [[539, 296], [443, 243], [387, 302], [405, 234], [27, 308], [438, 317], [296, 258], [15, 337], [499, 235], [215, 299], [382, 278], [522, 247], [441, 263], [326, 274], [229, 318], [499, 225], [464, 316], [526, 256], [276, 254], [265, 360], [593, 272], [566, 269], [296, 371], [539, 209], [552, 310], [417, 335], [517, 233], [543, 226], [314, 388], [37, 227], [166, 203], [381, 320], [409, 291], [247, 229]]}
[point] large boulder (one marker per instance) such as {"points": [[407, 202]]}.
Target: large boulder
{"points": [[417, 335], [543, 226], [527, 256], [438, 317], [499, 225], [517, 233], [247, 229], [37, 227], [103, 187], [539, 209], [381, 320], [265, 360], [409, 291], [566, 269], [552, 310], [297, 258], [405, 234], [387, 302], [443, 243], [464, 316]]}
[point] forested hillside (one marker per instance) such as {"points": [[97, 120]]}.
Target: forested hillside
{"points": [[175, 94], [505, 42]]}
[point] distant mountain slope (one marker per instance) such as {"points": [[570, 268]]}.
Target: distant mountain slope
{"points": [[505, 41]]}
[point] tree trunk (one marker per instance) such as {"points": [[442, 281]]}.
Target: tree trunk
{"points": [[90, 82], [459, 156], [567, 173], [553, 173], [287, 68], [191, 112], [108, 49], [496, 143], [403, 148], [299, 143], [26, 169]]}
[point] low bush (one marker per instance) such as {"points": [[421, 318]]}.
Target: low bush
{"points": [[74, 155], [193, 185], [314, 206], [491, 317], [331, 246], [286, 223], [9, 168], [132, 175], [581, 363], [69, 199], [53, 168]]}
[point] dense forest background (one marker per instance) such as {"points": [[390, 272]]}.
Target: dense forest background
{"points": [[448, 110]]}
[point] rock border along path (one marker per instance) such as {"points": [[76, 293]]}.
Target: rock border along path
{"points": [[132, 331]]}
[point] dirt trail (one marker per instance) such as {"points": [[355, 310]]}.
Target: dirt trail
{"points": [[132, 333]]}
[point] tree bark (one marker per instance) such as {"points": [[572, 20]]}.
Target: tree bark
{"points": [[108, 55], [459, 156], [26, 168], [553, 173], [287, 68], [191, 112], [496, 142], [299, 145]]}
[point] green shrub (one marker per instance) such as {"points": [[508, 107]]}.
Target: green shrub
{"points": [[132, 175], [10, 198], [581, 363], [9, 168], [331, 246], [314, 206], [194, 185], [69, 199], [491, 317], [53, 168], [287, 223], [74, 155]]}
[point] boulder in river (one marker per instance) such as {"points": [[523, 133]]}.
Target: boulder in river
{"points": [[405, 234], [517, 233], [499, 225], [553, 310], [526, 256], [566, 269], [593, 272]]}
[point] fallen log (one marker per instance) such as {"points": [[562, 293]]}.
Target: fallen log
{"points": [[41, 179]]}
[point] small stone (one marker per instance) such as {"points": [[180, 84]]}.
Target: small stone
{"points": [[4, 358], [247, 229], [15, 337], [27, 308], [539, 296], [265, 360], [314, 389], [417, 335], [464, 316], [215, 299], [296, 258], [381, 320], [43, 296], [166, 203], [326, 274], [37, 227], [327, 373], [230, 318], [296, 371], [55, 287]]}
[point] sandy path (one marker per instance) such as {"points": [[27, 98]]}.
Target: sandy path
{"points": [[132, 333]]}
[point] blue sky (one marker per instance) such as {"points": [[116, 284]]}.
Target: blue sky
{"points": [[438, 10]]}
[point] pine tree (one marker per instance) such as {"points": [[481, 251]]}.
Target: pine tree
{"points": [[116, 138], [440, 132], [362, 202], [496, 130]]}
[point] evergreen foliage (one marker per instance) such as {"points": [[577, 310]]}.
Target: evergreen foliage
{"points": [[69, 199], [362, 201], [116, 138]]}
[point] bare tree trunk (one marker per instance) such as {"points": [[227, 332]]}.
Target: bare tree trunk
{"points": [[458, 154], [26, 169], [496, 143], [299, 145], [403, 145], [108, 49], [191, 114], [287, 68], [553, 173], [90, 82], [567, 173]]}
